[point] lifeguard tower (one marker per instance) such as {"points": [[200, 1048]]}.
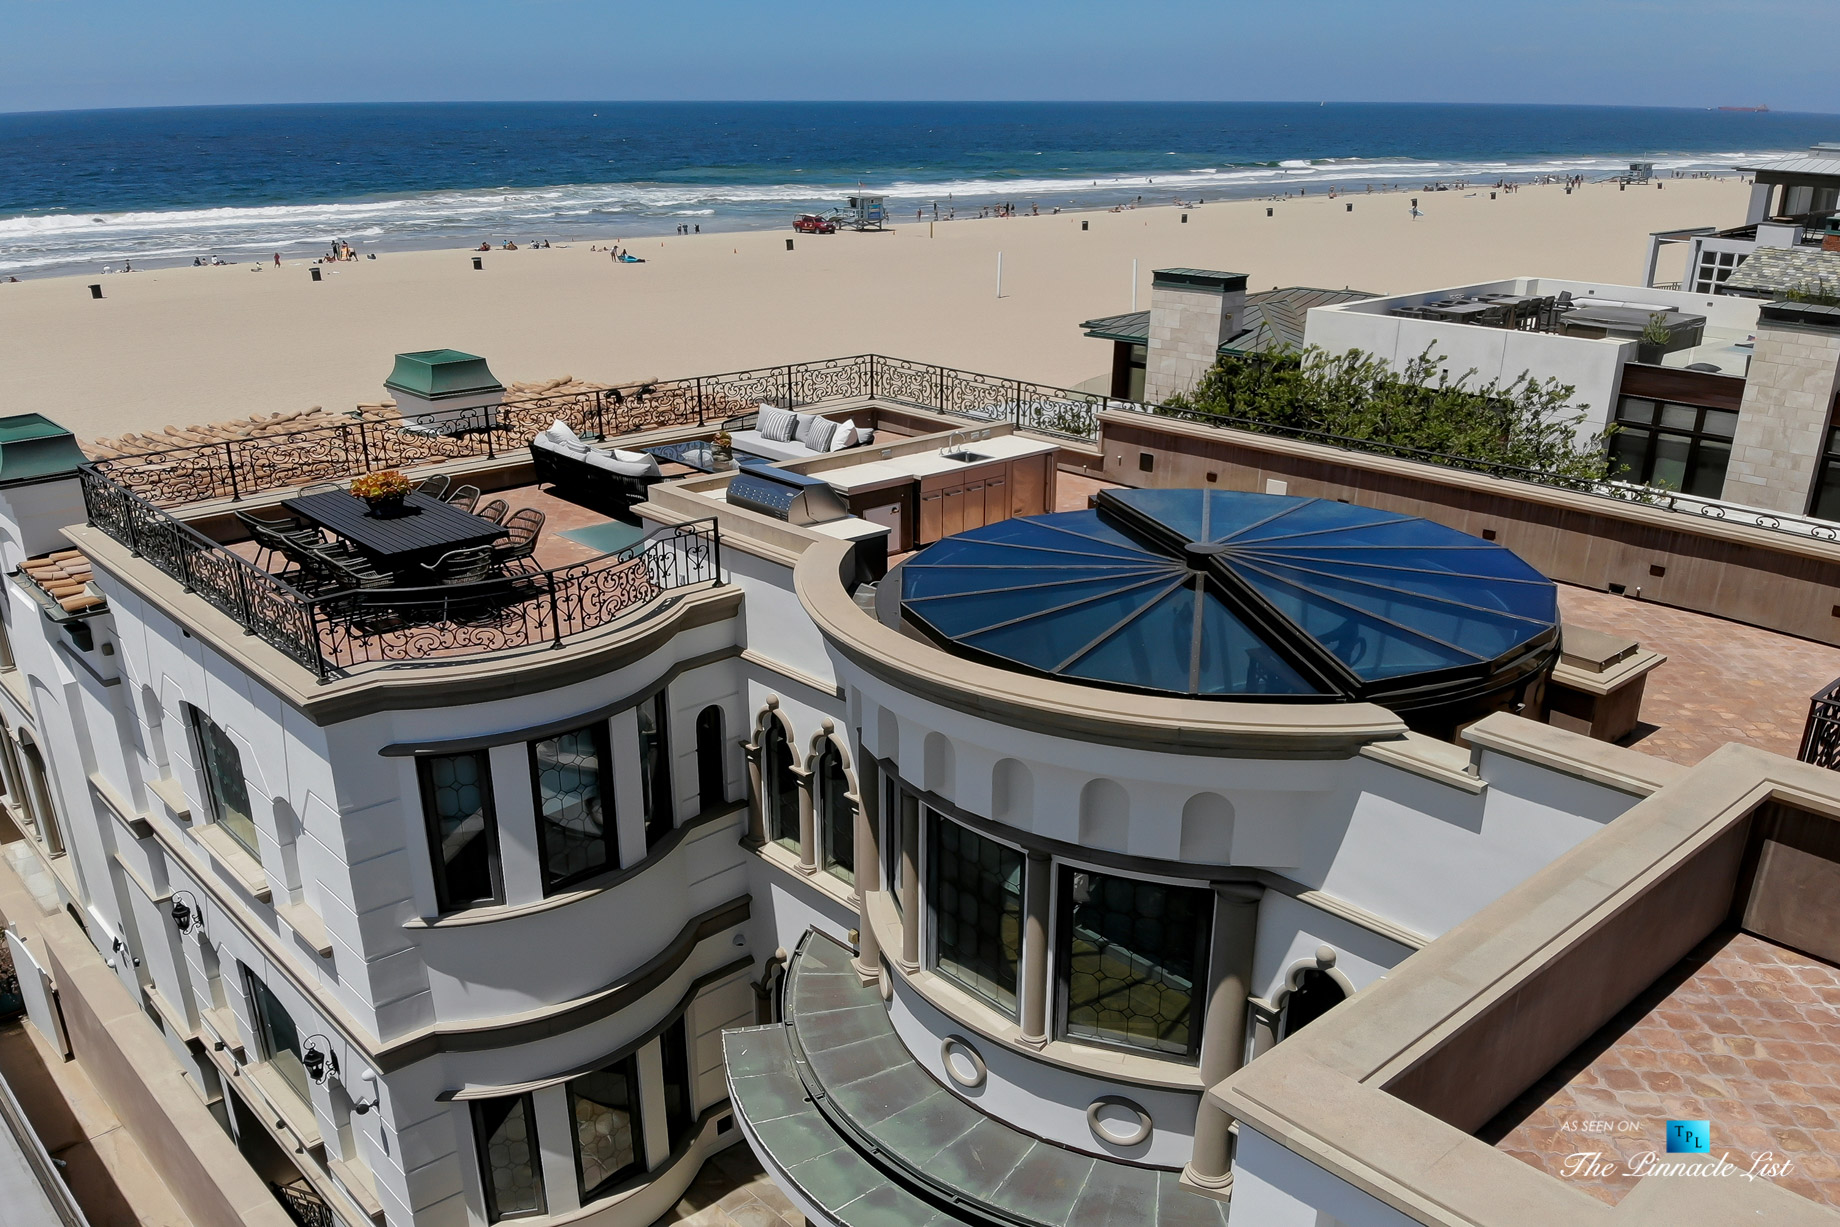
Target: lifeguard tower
{"points": [[868, 213]]}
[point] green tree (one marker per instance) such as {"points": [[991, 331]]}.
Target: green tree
{"points": [[1419, 411]]}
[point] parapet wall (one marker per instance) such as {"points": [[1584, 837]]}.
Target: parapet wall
{"points": [[1789, 584]]}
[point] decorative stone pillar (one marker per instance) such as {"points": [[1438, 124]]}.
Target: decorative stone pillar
{"points": [[1223, 1035], [1037, 896], [868, 867], [757, 797], [910, 881], [808, 820]]}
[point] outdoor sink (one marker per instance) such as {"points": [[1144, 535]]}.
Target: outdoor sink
{"points": [[963, 456]]}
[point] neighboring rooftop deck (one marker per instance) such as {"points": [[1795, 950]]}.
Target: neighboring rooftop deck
{"points": [[1744, 1034]]}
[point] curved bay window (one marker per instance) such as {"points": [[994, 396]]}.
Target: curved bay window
{"points": [[838, 814], [711, 759], [225, 788], [1133, 959], [574, 802], [779, 784], [462, 834], [974, 887], [609, 1139], [506, 1134]]}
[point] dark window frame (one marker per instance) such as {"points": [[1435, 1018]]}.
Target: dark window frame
{"points": [[777, 755], [635, 1088], [430, 824], [674, 1050], [609, 836], [261, 997], [712, 758], [1826, 481], [203, 744], [1062, 955], [1653, 432], [931, 837], [481, 1139], [657, 790], [825, 803]]}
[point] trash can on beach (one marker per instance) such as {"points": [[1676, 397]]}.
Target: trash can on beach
{"points": [[314, 272], [478, 263], [95, 291]]}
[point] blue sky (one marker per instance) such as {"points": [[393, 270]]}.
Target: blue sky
{"points": [[101, 53]]}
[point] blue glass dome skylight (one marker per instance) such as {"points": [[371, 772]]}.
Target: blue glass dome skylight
{"points": [[1221, 593]]}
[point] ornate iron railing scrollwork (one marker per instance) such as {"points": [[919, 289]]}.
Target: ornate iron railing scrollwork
{"points": [[1821, 735]]}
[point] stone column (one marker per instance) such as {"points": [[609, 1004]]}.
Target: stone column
{"points": [[1786, 411], [1223, 1034], [808, 821], [757, 796], [1037, 897], [910, 882], [868, 867], [1191, 312]]}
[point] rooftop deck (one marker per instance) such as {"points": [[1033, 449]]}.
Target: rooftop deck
{"points": [[1744, 1034]]}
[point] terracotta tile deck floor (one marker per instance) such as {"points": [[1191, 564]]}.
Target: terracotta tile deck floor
{"points": [[1743, 1033], [1723, 681]]}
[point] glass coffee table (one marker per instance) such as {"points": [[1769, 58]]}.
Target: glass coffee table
{"points": [[699, 454]]}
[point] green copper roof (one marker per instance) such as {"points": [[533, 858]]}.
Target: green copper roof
{"points": [[1199, 279], [840, 1110], [1273, 320], [35, 448], [438, 374]]}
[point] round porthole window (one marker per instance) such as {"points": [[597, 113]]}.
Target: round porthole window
{"points": [[963, 1064], [1115, 1119]]}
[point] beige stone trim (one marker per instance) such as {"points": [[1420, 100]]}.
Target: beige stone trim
{"points": [[1617, 767], [1430, 758], [1612, 679], [234, 860], [1085, 713], [307, 926], [809, 681]]}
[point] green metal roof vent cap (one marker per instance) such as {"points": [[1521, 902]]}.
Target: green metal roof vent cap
{"points": [[441, 374], [35, 448]]}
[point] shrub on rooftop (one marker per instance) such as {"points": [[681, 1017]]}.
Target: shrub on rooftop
{"points": [[1420, 411]]}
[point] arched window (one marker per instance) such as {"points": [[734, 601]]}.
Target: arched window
{"points": [[711, 759], [780, 783], [1315, 995], [838, 812]]}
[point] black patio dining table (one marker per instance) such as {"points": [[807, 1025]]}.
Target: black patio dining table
{"points": [[421, 532]]}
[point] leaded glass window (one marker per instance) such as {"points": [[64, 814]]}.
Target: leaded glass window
{"points": [[609, 1142], [839, 815], [1133, 960], [225, 787], [974, 886], [574, 798], [280, 1038], [655, 768], [462, 833], [507, 1134], [780, 782]]}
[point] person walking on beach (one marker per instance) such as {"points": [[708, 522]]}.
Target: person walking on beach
{"points": [[277, 259]]}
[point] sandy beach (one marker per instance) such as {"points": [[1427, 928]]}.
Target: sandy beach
{"points": [[193, 345]]}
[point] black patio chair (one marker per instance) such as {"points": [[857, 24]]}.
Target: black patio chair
{"points": [[436, 486], [465, 498], [495, 511], [520, 547]]}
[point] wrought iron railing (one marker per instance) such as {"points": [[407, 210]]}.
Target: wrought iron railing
{"points": [[332, 633], [1821, 735], [240, 468], [305, 1206]]}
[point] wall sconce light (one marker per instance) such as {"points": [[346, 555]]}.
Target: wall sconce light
{"points": [[369, 1078], [186, 913], [318, 1059]]}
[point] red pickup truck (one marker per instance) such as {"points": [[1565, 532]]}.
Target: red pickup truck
{"points": [[811, 223]]}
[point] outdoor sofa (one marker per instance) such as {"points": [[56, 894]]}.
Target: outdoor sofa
{"points": [[614, 477]]}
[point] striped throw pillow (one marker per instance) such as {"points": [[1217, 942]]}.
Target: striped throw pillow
{"points": [[815, 433], [777, 424]]}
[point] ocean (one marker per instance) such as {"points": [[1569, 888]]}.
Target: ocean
{"points": [[81, 190]]}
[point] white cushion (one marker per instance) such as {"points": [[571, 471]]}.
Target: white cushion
{"points": [[620, 453], [625, 468], [561, 432], [844, 436], [777, 424], [864, 436]]}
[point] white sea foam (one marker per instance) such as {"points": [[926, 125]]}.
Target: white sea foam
{"points": [[71, 241]]}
